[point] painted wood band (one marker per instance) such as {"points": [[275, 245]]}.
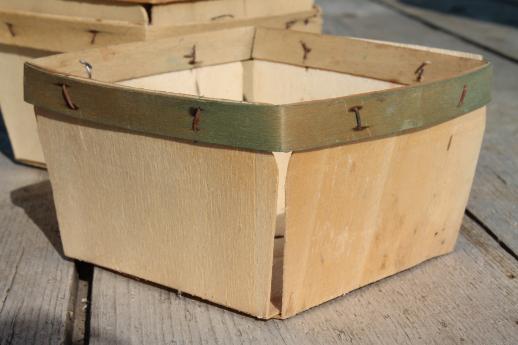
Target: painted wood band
{"points": [[261, 127]]}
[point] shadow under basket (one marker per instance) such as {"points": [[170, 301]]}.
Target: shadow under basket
{"points": [[264, 170]]}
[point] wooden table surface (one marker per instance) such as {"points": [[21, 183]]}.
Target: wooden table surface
{"points": [[467, 297]]}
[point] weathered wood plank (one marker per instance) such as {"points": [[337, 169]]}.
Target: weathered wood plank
{"points": [[35, 281], [494, 28], [465, 297], [494, 197]]}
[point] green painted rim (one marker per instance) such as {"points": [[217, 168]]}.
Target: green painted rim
{"points": [[260, 127]]}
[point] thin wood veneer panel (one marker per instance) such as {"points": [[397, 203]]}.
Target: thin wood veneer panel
{"points": [[62, 33], [140, 59], [196, 218], [394, 63], [190, 12], [360, 212], [279, 83], [220, 81], [18, 115], [308, 21], [100, 10]]}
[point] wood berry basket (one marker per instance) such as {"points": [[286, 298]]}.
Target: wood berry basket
{"points": [[264, 170], [36, 28]]}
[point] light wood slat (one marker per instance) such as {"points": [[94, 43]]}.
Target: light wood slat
{"points": [[306, 21], [98, 10], [184, 13], [61, 33], [377, 60], [494, 197], [36, 283], [466, 297], [141, 59]]}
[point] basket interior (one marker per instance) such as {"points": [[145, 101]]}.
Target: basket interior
{"points": [[260, 81]]}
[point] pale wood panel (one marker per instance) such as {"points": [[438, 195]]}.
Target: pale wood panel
{"points": [[185, 13], [36, 283], [220, 81], [192, 217], [99, 10], [358, 57], [307, 21], [358, 213], [62, 33], [18, 116], [140, 59], [465, 297], [279, 83]]}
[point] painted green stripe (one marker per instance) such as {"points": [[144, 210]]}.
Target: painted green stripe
{"points": [[260, 127]]}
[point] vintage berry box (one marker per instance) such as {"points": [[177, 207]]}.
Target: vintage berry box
{"points": [[264, 170]]}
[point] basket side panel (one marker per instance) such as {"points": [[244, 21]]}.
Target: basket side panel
{"points": [[99, 10], [199, 219], [358, 213], [186, 13], [19, 116]]}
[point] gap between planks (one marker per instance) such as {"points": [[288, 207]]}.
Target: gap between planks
{"points": [[486, 228]]}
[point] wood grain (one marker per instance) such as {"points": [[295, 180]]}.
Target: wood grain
{"points": [[185, 13], [473, 302], [201, 218], [18, 115], [358, 213], [62, 33], [36, 283], [358, 57], [98, 10]]}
